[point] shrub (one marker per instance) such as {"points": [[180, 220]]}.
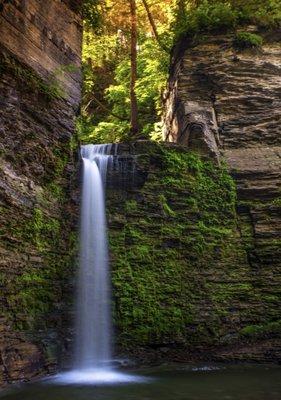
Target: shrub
{"points": [[266, 14], [221, 15], [245, 40], [207, 17], [216, 16]]}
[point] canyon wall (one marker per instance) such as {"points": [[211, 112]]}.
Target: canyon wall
{"points": [[40, 45], [225, 104], [192, 273]]}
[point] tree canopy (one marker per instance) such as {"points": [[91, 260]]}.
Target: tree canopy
{"points": [[107, 56]]}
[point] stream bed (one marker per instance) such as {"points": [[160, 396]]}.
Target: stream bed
{"points": [[171, 382]]}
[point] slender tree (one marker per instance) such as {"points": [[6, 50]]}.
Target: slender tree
{"points": [[133, 97], [153, 25]]}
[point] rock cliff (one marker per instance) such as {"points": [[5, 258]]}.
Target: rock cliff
{"points": [[235, 96], [192, 276], [40, 45]]}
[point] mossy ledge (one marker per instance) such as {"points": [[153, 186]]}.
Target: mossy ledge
{"points": [[180, 271]]}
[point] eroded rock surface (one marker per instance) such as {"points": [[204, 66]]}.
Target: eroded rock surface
{"points": [[46, 36], [37, 211], [244, 92]]}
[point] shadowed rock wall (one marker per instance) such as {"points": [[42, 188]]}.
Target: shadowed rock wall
{"points": [[40, 43], [243, 91], [46, 36]]}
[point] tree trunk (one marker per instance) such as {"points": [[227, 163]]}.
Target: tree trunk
{"points": [[134, 105], [153, 26]]}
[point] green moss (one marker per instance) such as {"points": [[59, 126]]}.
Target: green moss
{"points": [[277, 202], [270, 328], [33, 294], [39, 288], [165, 207], [42, 230], [131, 205], [181, 258], [61, 158], [182, 221], [55, 190]]}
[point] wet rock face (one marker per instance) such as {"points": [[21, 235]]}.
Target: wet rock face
{"points": [[38, 208], [244, 93]]}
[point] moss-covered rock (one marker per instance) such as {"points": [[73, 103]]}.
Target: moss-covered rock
{"points": [[180, 269], [38, 220]]}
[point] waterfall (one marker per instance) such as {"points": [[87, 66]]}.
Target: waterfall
{"points": [[93, 324], [93, 355]]}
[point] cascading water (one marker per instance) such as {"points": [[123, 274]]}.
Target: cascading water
{"points": [[92, 363], [93, 342]]}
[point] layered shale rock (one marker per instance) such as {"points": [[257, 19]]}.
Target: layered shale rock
{"points": [[192, 278], [39, 97], [238, 95]]}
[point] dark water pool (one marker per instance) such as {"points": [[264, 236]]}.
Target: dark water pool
{"points": [[177, 382]]}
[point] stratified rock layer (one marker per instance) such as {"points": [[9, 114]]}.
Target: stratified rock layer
{"points": [[39, 97], [192, 277], [244, 91], [46, 36]]}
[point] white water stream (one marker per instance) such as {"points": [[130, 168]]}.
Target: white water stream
{"points": [[93, 330], [93, 353]]}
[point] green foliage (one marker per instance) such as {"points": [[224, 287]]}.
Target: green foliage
{"points": [[207, 16], [153, 64], [92, 14], [100, 49], [264, 13], [101, 54], [245, 40], [213, 16], [106, 57], [104, 132], [152, 76], [222, 15]]}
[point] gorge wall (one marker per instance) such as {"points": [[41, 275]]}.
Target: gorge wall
{"points": [[40, 46], [191, 278], [225, 104]]}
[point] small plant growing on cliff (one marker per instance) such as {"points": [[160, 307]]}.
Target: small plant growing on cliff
{"points": [[247, 40], [205, 16]]}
